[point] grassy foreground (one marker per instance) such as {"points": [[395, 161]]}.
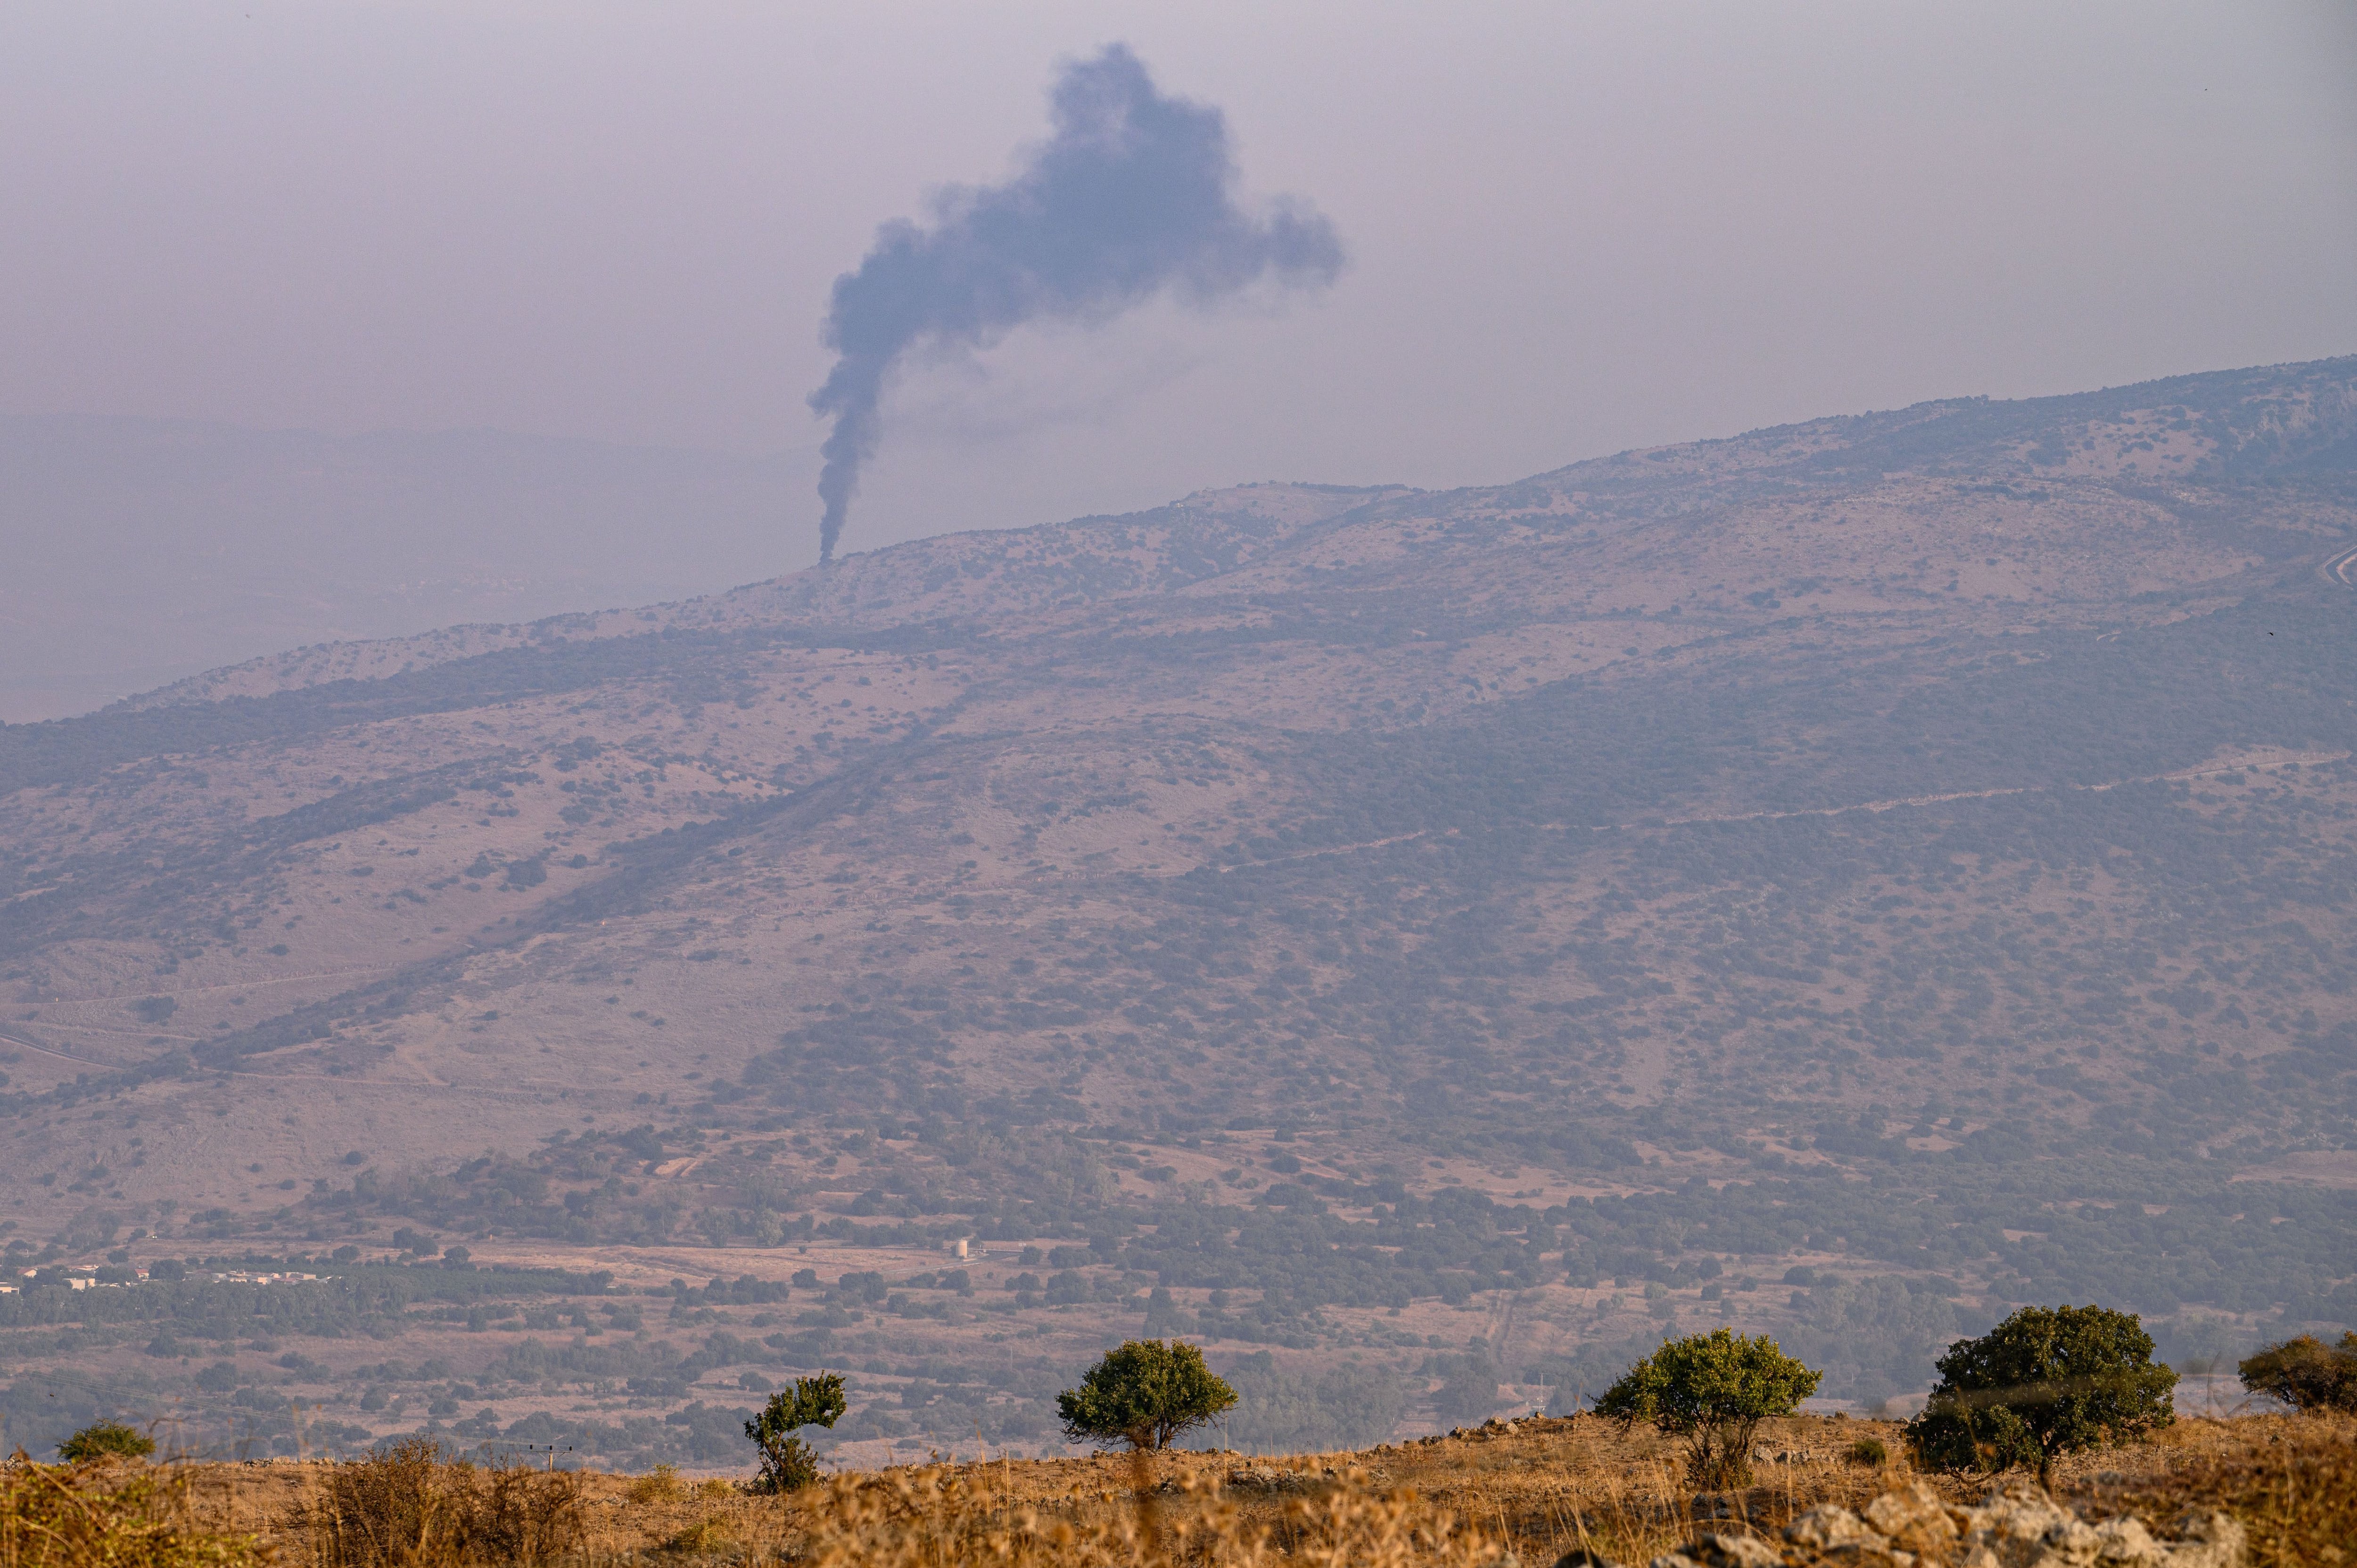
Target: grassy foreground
{"points": [[1534, 1489]]}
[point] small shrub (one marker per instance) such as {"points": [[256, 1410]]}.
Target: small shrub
{"points": [[701, 1538], [1870, 1451], [1713, 1390], [788, 1463], [403, 1507], [371, 1510], [106, 1439], [659, 1485], [2305, 1373], [513, 1513]]}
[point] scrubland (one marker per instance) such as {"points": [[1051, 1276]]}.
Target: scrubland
{"points": [[1846, 881], [1527, 1492]]}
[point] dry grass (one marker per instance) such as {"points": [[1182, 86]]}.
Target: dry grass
{"points": [[109, 1513], [2291, 1479], [659, 1485], [1536, 1491], [407, 1508], [937, 1518]]}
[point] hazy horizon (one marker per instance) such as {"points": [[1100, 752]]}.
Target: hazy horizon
{"points": [[1569, 230]]}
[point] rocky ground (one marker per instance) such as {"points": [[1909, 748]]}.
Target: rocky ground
{"points": [[2271, 1492]]}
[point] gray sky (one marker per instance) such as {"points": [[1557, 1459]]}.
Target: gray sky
{"points": [[1572, 227]]}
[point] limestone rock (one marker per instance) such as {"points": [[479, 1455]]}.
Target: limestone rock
{"points": [[2018, 1528], [2210, 1539], [1266, 1478], [1876, 1553], [1828, 1526], [2126, 1544], [1742, 1552], [1722, 1552], [2023, 1527], [1915, 1520], [1912, 1527]]}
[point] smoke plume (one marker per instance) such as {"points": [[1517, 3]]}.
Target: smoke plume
{"points": [[1132, 195]]}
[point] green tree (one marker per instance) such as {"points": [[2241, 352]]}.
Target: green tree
{"points": [[2306, 1373], [2045, 1382], [787, 1462], [1144, 1394], [1712, 1390], [106, 1439]]}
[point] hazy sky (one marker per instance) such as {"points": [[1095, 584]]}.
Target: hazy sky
{"points": [[1572, 227]]}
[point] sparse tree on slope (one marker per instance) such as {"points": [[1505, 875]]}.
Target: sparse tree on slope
{"points": [[1712, 1390], [2045, 1382], [1144, 1394], [2306, 1373], [787, 1462]]}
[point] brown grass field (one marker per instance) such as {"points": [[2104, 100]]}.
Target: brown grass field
{"points": [[1523, 1492]]}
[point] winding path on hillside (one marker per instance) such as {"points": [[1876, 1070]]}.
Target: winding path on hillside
{"points": [[24, 1044], [2209, 770]]}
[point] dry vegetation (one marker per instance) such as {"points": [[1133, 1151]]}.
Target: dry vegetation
{"points": [[1528, 1492]]}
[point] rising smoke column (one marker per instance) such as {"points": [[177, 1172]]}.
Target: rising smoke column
{"points": [[1132, 194]]}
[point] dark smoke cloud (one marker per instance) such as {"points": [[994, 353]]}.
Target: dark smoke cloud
{"points": [[1132, 194]]}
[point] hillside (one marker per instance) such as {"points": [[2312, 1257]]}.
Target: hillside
{"points": [[1844, 878]]}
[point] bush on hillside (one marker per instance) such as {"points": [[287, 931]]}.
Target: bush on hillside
{"points": [[106, 1439], [1712, 1390], [787, 1462], [2306, 1373], [2045, 1382], [1145, 1393]]}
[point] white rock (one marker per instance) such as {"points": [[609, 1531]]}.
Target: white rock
{"points": [[1736, 1551], [1830, 1525], [2210, 1539], [2126, 1544]]}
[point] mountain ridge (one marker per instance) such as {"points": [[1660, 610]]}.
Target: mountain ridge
{"points": [[1371, 899], [2288, 417]]}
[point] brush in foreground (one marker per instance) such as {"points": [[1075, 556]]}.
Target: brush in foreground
{"points": [[405, 1507], [922, 1519], [51, 1517]]}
